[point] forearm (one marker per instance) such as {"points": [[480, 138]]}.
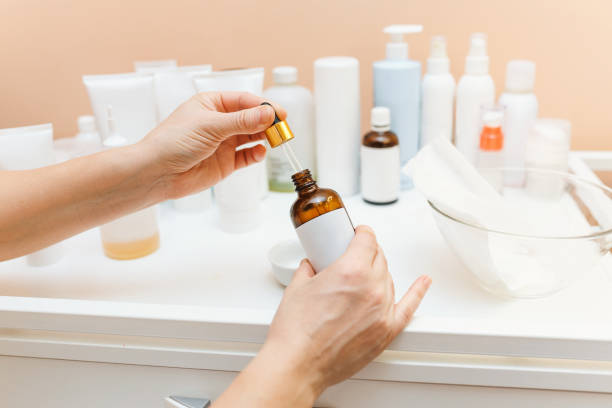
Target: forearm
{"points": [[44, 206], [271, 380]]}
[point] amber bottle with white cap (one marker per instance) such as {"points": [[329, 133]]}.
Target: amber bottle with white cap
{"points": [[321, 221], [380, 160]]}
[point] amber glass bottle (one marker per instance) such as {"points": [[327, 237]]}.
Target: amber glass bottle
{"points": [[320, 220], [380, 161]]}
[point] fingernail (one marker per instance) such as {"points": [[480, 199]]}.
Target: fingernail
{"points": [[426, 280]]}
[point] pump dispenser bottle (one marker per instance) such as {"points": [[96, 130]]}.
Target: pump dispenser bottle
{"points": [[521, 113], [475, 89], [397, 86], [134, 235], [380, 161], [321, 222], [490, 153], [438, 95]]}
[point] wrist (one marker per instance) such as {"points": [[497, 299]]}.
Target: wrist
{"points": [[150, 173]]}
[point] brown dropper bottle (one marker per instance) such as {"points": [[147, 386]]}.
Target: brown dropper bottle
{"points": [[312, 201]]}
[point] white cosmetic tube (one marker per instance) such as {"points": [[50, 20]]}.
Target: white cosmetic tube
{"points": [[155, 66], [238, 196], [26, 148], [132, 97], [337, 120]]}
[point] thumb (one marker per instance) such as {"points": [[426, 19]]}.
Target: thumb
{"points": [[303, 273], [245, 121]]}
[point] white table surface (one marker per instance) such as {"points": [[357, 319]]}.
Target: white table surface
{"points": [[201, 270]]}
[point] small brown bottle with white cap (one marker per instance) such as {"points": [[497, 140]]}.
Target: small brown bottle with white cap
{"points": [[321, 221], [380, 160]]}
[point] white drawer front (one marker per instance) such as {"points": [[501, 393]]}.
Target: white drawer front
{"points": [[33, 382]]}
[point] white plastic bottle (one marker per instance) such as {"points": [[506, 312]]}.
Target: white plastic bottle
{"points": [[521, 112], [299, 105], [134, 235], [380, 160], [397, 86], [438, 95], [490, 153], [475, 89]]}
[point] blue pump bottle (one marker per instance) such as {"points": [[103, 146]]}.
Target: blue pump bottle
{"points": [[397, 85]]}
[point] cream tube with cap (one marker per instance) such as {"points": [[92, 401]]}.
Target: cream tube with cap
{"points": [[27, 148], [134, 235], [132, 97], [238, 196]]}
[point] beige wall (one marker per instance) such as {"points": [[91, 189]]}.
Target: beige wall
{"points": [[48, 45]]}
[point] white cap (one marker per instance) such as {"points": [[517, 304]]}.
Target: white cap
{"points": [[493, 118], [87, 124], [380, 118], [477, 61], [284, 75], [397, 48], [520, 76], [548, 143], [438, 62]]}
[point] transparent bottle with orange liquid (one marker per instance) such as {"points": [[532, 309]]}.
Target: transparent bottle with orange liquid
{"points": [[134, 235], [490, 159]]}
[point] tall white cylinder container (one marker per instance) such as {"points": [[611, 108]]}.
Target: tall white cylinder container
{"points": [[337, 117]]}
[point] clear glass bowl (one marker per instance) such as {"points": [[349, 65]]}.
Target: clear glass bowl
{"points": [[570, 223]]}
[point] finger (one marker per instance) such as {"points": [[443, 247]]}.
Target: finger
{"points": [[381, 273], [248, 156], [363, 246], [302, 273], [243, 139], [236, 101], [408, 304], [247, 121]]}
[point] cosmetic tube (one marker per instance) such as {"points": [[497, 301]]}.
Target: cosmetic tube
{"points": [[238, 196], [132, 97], [26, 148], [337, 123]]}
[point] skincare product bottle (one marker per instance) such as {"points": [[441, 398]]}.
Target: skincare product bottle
{"points": [[380, 160], [475, 88], [132, 97], [337, 122], [134, 235], [490, 155], [26, 148], [298, 103], [397, 85], [321, 222], [438, 95], [521, 112]]}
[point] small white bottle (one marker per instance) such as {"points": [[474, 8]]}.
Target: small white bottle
{"points": [[438, 95], [134, 235], [521, 112], [490, 159], [380, 160], [298, 104], [475, 89]]}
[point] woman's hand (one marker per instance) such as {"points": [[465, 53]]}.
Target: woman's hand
{"points": [[327, 327], [195, 147]]}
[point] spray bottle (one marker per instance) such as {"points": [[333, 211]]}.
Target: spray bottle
{"points": [[397, 86], [438, 95], [476, 88]]}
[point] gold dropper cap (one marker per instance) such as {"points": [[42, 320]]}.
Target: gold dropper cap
{"points": [[279, 132]]}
